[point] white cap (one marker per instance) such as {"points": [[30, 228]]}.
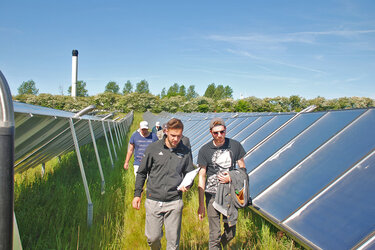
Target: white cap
{"points": [[143, 124], [157, 124]]}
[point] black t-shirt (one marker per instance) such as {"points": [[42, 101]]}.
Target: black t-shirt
{"points": [[217, 159]]}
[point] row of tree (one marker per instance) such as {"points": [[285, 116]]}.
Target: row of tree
{"points": [[142, 102], [178, 99], [142, 87]]}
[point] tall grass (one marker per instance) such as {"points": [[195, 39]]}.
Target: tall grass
{"points": [[51, 210]]}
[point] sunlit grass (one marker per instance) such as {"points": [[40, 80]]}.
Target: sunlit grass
{"points": [[51, 210]]}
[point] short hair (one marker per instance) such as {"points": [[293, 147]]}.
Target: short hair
{"points": [[175, 123]]}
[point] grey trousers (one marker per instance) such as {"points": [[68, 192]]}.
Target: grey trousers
{"points": [[167, 213], [216, 239]]}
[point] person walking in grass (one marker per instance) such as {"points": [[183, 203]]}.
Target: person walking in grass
{"points": [[138, 143], [217, 160], [165, 164]]}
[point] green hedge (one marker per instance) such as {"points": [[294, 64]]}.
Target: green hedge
{"points": [[141, 102]]}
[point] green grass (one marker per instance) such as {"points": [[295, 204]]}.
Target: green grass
{"points": [[51, 211]]}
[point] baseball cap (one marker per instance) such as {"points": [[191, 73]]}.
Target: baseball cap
{"points": [[157, 124], [143, 124], [216, 122]]}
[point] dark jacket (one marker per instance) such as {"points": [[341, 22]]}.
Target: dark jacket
{"points": [[226, 201], [164, 169]]}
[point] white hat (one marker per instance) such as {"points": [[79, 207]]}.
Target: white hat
{"points": [[143, 124], [157, 124]]}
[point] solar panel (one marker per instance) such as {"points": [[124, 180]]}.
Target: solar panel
{"points": [[312, 174]]}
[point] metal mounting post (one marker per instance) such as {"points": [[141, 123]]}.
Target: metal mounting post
{"points": [[113, 143], [106, 139], [97, 157], [7, 128], [89, 202]]}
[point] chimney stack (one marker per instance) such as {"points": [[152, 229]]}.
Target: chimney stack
{"points": [[74, 72]]}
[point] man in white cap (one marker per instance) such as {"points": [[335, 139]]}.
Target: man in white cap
{"points": [[138, 143]]}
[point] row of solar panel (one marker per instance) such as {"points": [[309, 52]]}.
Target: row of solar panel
{"points": [[311, 173], [44, 133]]}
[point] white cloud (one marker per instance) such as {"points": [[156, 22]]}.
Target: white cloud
{"points": [[247, 54]]}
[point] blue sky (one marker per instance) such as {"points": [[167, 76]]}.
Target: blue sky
{"points": [[259, 48]]}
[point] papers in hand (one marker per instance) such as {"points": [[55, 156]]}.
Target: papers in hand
{"points": [[189, 178]]}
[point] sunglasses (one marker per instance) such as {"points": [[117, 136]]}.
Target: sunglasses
{"points": [[217, 132]]}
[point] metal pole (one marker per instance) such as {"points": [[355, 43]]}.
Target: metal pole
{"points": [[7, 129], [97, 158], [113, 143], [115, 130], [89, 202], [106, 139]]}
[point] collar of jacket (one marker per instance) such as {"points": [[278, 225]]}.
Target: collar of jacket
{"points": [[173, 149]]}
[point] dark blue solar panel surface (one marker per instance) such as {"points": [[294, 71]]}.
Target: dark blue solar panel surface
{"points": [[303, 182], [351, 198], [264, 131], [298, 149], [253, 126], [282, 137], [231, 133]]}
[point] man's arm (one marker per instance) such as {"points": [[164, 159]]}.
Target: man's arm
{"points": [[201, 188], [241, 163], [141, 178], [129, 155]]}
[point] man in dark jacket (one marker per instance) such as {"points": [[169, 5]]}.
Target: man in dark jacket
{"points": [[164, 165]]}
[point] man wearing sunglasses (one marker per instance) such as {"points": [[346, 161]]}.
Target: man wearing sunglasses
{"points": [[216, 159]]}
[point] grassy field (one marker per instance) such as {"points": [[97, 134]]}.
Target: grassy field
{"points": [[51, 210]]}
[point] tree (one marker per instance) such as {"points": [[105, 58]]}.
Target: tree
{"points": [[228, 92], [219, 92], [142, 87], [173, 90], [28, 87], [163, 94], [128, 88], [182, 90], [191, 92], [295, 103], [112, 87], [81, 89], [210, 91]]}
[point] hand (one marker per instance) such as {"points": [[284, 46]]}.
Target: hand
{"points": [[136, 203], [201, 212], [184, 189], [126, 165], [224, 177]]}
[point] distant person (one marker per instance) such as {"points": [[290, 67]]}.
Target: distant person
{"points": [[165, 164], [138, 143], [156, 128], [217, 160]]}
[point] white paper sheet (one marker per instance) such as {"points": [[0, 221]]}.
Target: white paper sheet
{"points": [[189, 178]]}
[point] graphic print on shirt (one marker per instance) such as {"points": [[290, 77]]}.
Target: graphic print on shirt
{"points": [[222, 161]]}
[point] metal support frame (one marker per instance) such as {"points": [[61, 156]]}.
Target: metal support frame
{"points": [[97, 157], [115, 132], [7, 129], [106, 139], [113, 143], [43, 171], [90, 206]]}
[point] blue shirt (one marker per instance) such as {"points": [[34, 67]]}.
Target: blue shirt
{"points": [[140, 144]]}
